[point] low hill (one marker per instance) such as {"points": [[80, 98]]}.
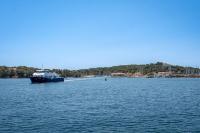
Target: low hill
{"points": [[145, 69]]}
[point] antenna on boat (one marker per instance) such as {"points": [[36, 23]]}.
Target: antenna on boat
{"points": [[170, 68], [185, 70]]}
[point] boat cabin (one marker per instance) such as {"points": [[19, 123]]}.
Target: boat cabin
{"points": [[45, 73]]}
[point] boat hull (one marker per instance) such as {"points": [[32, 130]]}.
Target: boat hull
{"points": [[46, 80]]}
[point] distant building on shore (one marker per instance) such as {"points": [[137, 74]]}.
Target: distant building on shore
{"points": [[118, 74], [164, 74], [136, 75]]}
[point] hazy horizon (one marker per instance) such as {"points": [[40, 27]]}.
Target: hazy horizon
{"points": [[76, 34]]}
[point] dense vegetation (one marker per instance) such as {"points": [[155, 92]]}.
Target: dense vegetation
{"points": [[147, 69], [16, 72]]}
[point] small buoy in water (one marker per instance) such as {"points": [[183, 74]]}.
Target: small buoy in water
{"points": [[105, 79]]}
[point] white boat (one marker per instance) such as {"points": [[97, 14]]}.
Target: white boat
{"points": [[43, 76]]}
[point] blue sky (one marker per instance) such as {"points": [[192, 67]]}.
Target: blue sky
{"points": [[77, 34]]}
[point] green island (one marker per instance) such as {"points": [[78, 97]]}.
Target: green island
{"points": [[152, 70]]}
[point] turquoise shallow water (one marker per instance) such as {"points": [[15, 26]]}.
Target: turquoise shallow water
{"points": [[94, 105]]}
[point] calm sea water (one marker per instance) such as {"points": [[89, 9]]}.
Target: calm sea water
{"points": [[95, 105]]}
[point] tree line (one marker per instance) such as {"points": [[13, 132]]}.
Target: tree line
{"points": [[146, 69]]}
